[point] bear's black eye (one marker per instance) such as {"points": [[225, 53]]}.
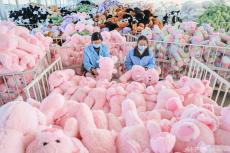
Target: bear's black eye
{"points": [[58, 141], [45, 143]]}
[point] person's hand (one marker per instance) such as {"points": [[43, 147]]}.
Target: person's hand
{"points": [[94, 71]]}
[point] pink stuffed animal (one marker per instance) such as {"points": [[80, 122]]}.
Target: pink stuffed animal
{"points": [[115, 95], [106, 68], [87, 82], [189, 27], [51, 105], [223, 133], [150, 95], [95, 140], [12, 141], [114, 123], [138, 74], [21, 117], [100, 119], [96, 98], [70, 29], [151, 77], [135, 74], [134, 137], [79, 27], [135, 87], [80, 94], [19, 81], [53, 140], [161, 142], [139, 101], [168, 99], [202, 115], [59, 77], [7, 42], [189, 133], [193, 90]]}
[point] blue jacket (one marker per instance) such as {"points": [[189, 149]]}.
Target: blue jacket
{"points": [[91, 57], [134, 58]]}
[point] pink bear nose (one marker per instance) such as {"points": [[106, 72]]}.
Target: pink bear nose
{"points": [[172, 106]]}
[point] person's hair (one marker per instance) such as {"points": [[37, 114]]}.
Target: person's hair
{"points": [[141, 22], [109, 16], [129, 10], [142, 38], [96, 36]]}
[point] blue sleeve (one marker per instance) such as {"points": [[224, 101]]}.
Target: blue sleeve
{"points": [[106, 51], [128, 61], [87, 64], [152, 62]]}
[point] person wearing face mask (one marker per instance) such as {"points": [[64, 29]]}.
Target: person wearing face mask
{"points": [[140, 55], [93, 52]]}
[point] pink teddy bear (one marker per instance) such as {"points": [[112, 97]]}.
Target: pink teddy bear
{"points": [[134, 137], [115, 95], [160, 142], [169, 100], [106, 68], [139, 74], [223, 133], [96, 140], [22, 121], [59, 77], [12, 141], [190, 133], [202, 115], [53, 140], [96, 98]]}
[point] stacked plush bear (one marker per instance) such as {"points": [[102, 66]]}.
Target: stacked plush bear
{"points": [[184, 40], [19, 51], [85, 6], [79, 28], [56, 25], [138, 114]]}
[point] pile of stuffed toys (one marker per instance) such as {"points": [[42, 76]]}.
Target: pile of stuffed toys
{"points": [[126, 19], [138, 114], [178, 44], [55, 25], [19, 51], [30, 14], [85, 6]]}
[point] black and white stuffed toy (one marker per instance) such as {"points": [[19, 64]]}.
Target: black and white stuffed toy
{"points": [[30, 14], [172, 17]]}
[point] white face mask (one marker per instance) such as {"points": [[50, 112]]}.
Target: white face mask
{"points": [[96, 45], [142, 48]]}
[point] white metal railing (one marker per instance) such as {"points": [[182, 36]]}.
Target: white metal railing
{"points": [[220, 86], [39, 88], [19, 80], [129, 38]]}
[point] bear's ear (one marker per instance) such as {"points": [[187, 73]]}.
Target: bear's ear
{"points": [[187, 131]]}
